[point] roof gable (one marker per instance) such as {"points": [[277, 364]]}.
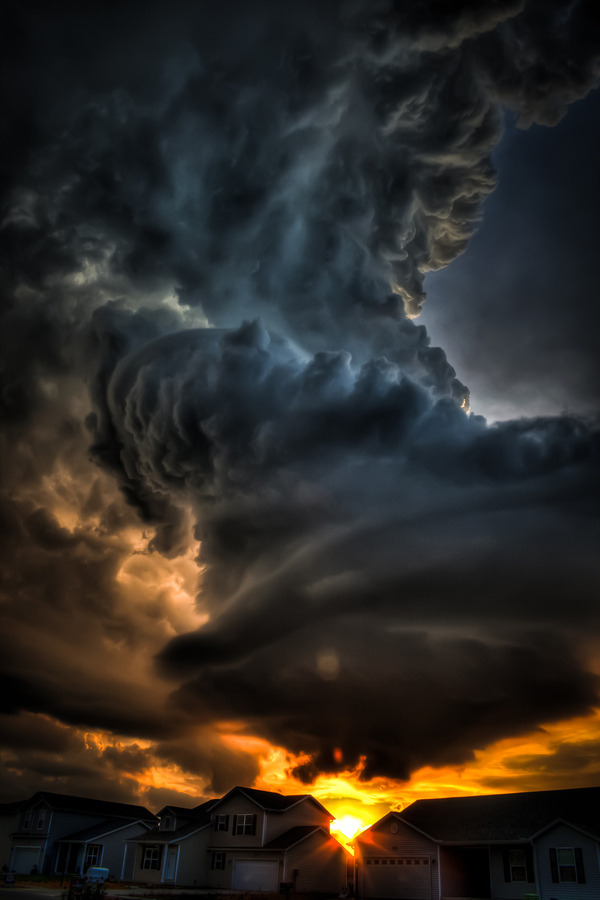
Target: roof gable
{"points": [[270, 801]]}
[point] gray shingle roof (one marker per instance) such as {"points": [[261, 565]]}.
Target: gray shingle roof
{"points": [[186, 812], [156, 836], [108, 809], [504, 817], [96, 831]]}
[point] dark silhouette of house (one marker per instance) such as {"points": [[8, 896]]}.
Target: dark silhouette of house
{"points": [[500, 847], [60, 833]]}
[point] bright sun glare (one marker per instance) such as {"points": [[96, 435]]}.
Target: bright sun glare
{"points": [[348, 825]]}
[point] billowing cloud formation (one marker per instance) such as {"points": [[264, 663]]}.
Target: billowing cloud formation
{"points": [[212, 250]]}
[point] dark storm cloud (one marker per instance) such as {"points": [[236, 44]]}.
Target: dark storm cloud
{"points": [[323, 490], [298, 172], [396, 696]]}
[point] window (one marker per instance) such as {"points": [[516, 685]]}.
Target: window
{"points": [[151, 858], [166, 823], [222, 823], [518, 869], [92, 857], [27, 820], [244, 824], [566, 865], [41, 819], [518, 864], [217, 861]]}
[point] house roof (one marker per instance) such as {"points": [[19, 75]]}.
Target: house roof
{"points": [[106, 808], [503, 817], [9, 809], [294, 836], [167, 836], [194, 812], [198, 817], [96, 831], [271, 801]]}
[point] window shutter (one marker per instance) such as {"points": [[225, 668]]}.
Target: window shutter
{"points": [[579, 866], [506, 861], [235, 824], [529, 865], [215, 822], [253, 824], [554, 866]]}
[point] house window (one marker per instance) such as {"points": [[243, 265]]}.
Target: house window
{"points": [[92, 857], [151, 858], [222, 823], [41, 819], [566, 864], [244, 824], [27, 820], [166, 823], [517, 865], [217, 861]]}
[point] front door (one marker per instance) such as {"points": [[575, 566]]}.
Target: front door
{"points": [[171, 864]]}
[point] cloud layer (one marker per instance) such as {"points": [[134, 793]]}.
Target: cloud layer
{"points": [[212, 251]]}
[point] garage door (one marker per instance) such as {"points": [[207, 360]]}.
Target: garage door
{"points": [[255, 875], [399, 877], [24, 859]]}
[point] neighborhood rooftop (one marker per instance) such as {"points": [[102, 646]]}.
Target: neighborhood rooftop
{"points": [[504, 817], [107, 808]]}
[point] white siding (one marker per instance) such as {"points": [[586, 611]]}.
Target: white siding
{"points": [[304, 813], [194, 859], [501, 889], [564, 836], [238, 805], [318, 864], [113, 848]]}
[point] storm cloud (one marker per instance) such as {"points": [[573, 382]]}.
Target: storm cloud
{"points": [[216, 229]]}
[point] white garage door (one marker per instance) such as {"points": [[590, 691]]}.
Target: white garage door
{"points": [[24, 859], [255, 875]]}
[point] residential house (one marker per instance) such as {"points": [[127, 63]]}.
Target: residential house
{"points": [[58, 833], [497, 847], [175, 852], [261, 839], [9, 821]]}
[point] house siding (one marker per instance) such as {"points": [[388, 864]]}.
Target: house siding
{"points": [[9, 824], [304, 813], [113, 848], [57, 825], [194, 859], [236, 806], [401, 864], [501, 889], [147, 876], [564, 836], [318, 864]]}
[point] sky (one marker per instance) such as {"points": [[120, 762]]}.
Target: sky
{"points": [[299, 397]]}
